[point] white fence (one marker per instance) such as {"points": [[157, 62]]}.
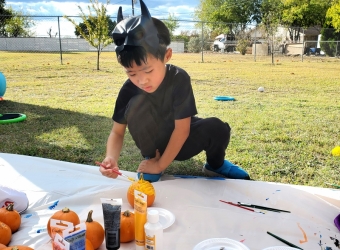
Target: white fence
{"points": [[44, 44]]}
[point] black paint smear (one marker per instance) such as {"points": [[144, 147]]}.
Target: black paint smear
{"points": [[336, 242]]}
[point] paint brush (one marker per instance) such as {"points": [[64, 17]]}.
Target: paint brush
{"points": [[284, 241], [238, 205], [263, 208], [117, 172]]}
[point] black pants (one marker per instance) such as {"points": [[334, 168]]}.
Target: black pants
{"points": [[150, 132]]}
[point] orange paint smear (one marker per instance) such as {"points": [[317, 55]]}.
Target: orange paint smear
{"points": [[304, 235]]}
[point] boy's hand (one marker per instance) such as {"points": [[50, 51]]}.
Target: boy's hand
{"points": [[151, 166], [106, 167]]}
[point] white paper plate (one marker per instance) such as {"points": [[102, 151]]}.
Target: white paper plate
{"points": [[166, 218], [280, 248], [220, 244]]}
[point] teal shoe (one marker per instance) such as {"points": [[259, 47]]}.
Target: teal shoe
{"points": [[150, 177], [227, 170]]}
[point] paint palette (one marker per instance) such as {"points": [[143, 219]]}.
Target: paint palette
{"points": [[219, 244], [166, 218]]}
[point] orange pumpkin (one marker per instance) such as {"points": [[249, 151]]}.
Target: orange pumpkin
{"points": [[2, 246], [5, 233], [65, 214], [127, 226], [11, 217], [18, 247], [94, 231], [143, 186], [88, 245]]}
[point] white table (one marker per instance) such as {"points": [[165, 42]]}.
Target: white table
{"points": [[194, 202]]}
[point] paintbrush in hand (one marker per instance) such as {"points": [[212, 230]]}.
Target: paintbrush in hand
{"points": [[117, 172]]}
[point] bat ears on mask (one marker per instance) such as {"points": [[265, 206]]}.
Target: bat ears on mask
{"points": [[136, 31], [120, 14], [144, 12]]}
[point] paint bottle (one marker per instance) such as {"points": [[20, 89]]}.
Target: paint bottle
{"points": [[111, 214], [140, 208], [153, 231]]}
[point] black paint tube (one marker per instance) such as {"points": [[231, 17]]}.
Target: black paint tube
{"points": [[111, 214]]}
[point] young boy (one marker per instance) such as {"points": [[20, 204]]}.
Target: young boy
{"points": [[157, 105]]}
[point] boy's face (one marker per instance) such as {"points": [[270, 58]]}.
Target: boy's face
{"points": [[148, 76]]}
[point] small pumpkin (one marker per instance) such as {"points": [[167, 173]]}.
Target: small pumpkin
{"points": [[127, 226], [88, 245], [64, 214], [5, 233], [94, 231], [18, 247], [11, 217], [143, 186], [2, 246]]}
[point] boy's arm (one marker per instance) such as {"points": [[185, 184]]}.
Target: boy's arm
{"points": [[115, 141], [113, 147], [177, 139]]}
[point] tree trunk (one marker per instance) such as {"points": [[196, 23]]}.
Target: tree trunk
{"points": [[98, 53]]}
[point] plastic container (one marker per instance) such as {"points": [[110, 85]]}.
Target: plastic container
{"points": [[153, 231]]}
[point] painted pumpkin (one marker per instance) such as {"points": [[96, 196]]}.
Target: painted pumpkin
{"points": [[5, 233], [65, 214], [143, 186], [127, 226], [18, 247], [94, 231], [10, 217]]}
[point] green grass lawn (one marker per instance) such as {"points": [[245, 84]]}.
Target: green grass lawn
{"points": [[284, 134]]}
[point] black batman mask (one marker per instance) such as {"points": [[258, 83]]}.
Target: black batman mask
{"points": [[136, 31]]}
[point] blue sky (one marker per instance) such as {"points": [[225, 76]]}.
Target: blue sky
{"points": [[182, 9], [158, 8]]}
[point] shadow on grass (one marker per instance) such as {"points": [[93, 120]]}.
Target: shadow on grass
{"points": [[41, 134], [70, 136]]}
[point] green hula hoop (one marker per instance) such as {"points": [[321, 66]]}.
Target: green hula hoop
{"points": [[11, 118]]}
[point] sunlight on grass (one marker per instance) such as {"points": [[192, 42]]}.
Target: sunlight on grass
{"points": [[75, 138]]}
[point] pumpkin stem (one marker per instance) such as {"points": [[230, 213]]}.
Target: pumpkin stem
{"points": [[66, 210], [141, 177], [15, 248], [10, 207], [127, 213], [89, 216]]}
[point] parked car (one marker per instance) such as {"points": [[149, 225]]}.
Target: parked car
{"points": [[225, 43]]}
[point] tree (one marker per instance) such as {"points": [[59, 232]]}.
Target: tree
{"points": [[2, 7], [18, 24], [329, 41], [271, 12], [333, 15], [171, 23], [83, 27], [96, 25], [303, 13], [49, 32], [271, 15], [5, 15], [242, 44], [222, 15], [194, 44]]}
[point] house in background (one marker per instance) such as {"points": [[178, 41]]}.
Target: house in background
{"points": [[288, 41]]}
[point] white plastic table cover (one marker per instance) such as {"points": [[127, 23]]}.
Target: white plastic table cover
{"points": [[52, 185]]}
